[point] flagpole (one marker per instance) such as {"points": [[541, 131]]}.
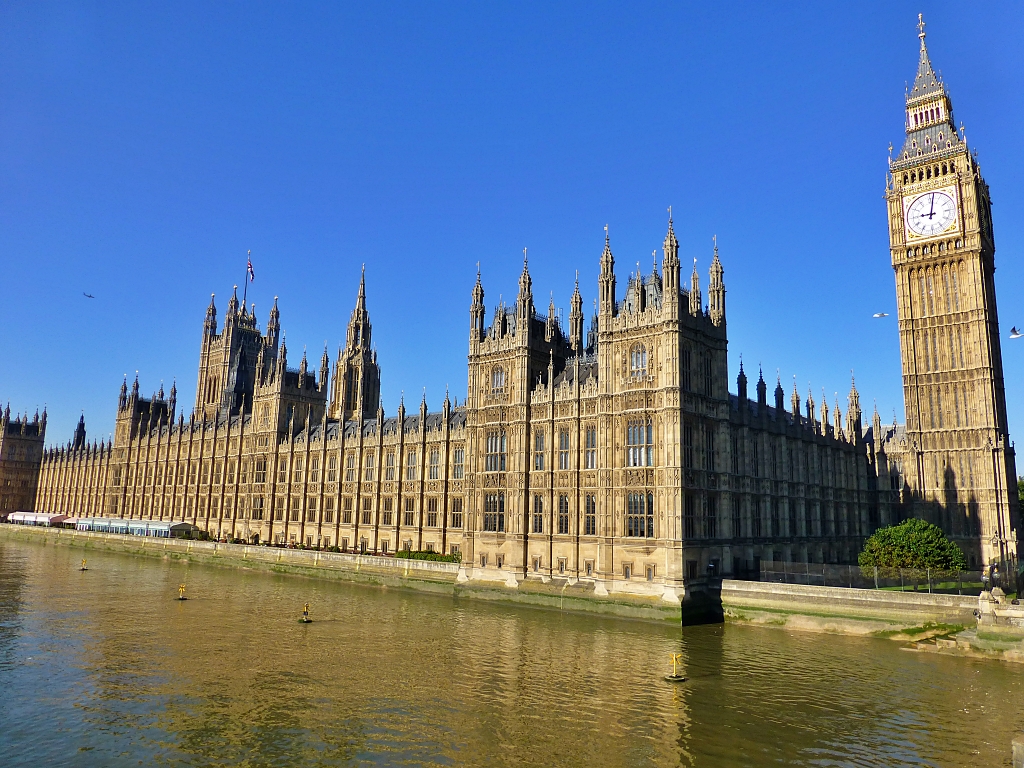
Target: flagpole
{"points": [[245, 288]]}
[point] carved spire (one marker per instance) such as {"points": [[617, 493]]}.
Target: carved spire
{"points": [[524, 302], [210, 324], [606, 280], [696, 304], [794, 402], [476, 310], [273, 326], [576, 318], [716, 289]]}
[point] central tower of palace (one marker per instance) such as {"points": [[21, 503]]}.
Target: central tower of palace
{"points": [[959, 464]]}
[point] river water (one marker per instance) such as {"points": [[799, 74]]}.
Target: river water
{"points": [[107, 668]]}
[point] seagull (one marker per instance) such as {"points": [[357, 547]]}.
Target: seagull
{"points": [[1014, 333], [88, 295], [880, 314]]}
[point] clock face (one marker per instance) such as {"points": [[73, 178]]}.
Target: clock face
{"points": [[931, 213]]}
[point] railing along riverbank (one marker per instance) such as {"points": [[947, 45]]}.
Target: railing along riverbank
{"points": [[929, 580]]}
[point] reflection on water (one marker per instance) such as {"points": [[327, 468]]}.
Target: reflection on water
{"points": [[107, 668]]}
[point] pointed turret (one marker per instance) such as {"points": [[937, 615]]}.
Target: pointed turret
{"points": [[810, 407], [476, 310], [824, 413], [325, 370], [172, 400], [876, 429], [122, 400], [210, 323], [359, 331], [232, 306], [670, 268], [794, 402], [929, 114], [79, 440], [135, 387], [837, 419], [696, 303], [551, 326], [853, 414], [524, 301], [741, 384], [716, 289], [606, 280], [273, 326], [576, 318], [780, 397], [762, 390]]}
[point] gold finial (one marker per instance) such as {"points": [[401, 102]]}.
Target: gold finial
{"points": [[606, 233], [524, 257], [714, 240], [670, 214], [920, 27]]}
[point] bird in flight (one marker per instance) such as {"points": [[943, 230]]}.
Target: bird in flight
{"points": [[88, 295], [880, 314], [1014, 333]]}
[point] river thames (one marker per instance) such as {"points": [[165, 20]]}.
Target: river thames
{"points": [[107, 668]]}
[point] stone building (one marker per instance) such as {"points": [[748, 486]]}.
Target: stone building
{"points": [[954, 457], [615, 453], [21, 452]]}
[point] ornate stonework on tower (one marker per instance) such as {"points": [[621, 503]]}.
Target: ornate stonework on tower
{"points": [[957, 461]]}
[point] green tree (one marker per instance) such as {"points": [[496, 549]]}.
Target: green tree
{"points": [[1020, 490], [911, 544]]}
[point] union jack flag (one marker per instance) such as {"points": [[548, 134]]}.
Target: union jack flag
{"points": [[252, 275]]}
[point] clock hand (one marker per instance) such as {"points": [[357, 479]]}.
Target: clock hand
{"points": [[932, 211]]}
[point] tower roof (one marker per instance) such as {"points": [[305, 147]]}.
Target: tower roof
{"points": [[926, 83]]}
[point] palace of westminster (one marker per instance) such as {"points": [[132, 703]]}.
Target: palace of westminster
{"points": [[615, 453]]}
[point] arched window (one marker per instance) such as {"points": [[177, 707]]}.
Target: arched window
{"points": [[640, 515], [495, 459], [497, 380], [638, 361], [639, 443], [494, 512]]}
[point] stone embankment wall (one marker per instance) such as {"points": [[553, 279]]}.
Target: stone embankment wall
{"points": [[800, 607], [841, 610]]}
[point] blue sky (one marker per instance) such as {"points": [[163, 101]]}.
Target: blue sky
{"points": [[145, 147]]}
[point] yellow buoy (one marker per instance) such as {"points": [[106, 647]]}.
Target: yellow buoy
{"points": [[675, 677]]}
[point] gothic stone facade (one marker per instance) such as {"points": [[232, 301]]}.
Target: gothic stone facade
{"points": [[620, 457], [21, 450]]}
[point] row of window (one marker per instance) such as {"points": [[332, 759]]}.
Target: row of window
{"points": [[639, 515], [930, 172], [259, 469]]}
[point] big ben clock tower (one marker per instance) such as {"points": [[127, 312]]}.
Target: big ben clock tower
{"points": [[959, 467]]}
